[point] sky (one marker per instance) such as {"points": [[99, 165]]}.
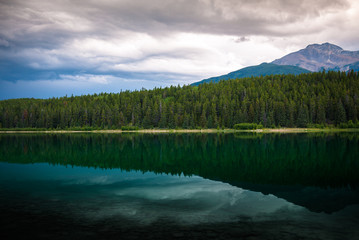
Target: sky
{"points": [[62, 47]]}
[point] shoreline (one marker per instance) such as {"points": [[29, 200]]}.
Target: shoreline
{"points": [[154, 131]]}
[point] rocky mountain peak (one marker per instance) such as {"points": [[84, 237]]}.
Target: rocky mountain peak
{"points": [[320, 56], [325, 47]]}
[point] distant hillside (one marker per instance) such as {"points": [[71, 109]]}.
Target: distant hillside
{"points": [[263, 69], [352, 66], [316, 57]]}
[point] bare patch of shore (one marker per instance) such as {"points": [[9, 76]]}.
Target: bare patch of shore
{"points": [[291, 130]]}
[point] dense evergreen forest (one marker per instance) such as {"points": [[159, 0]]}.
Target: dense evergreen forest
{"points": [[322, 98]]}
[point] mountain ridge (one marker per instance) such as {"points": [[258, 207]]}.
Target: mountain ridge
{"points": [[316, 57], [262, 69], [313, 58]]}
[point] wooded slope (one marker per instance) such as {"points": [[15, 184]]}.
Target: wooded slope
{"points": [[279, 100]]}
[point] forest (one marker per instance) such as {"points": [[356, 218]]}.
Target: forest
{"points": [[311, 99]]}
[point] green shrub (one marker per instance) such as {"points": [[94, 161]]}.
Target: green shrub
{"points": [[23, 129], [247, 126], [349, 124], [316, 125], [129, 128]]}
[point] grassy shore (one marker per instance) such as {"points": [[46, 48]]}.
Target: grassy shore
{"points": [[264, 130]]}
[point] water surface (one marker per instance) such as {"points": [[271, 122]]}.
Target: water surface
{"points": [[220, 186]]}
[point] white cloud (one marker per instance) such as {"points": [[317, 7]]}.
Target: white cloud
{"points": [[129, 48], [89, 78]]}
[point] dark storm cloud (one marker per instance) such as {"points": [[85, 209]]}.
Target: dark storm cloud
{"points": [[45, 23], [210, 16]]}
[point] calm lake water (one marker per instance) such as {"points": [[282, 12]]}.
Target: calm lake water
{"points": [[182, 186]]}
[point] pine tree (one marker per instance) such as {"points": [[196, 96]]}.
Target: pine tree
{"points": [[121, 120], [203, 121], [147, 120], [302, 120], [340, 114]]}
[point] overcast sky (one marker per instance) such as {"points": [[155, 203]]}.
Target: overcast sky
{"points": [[59, 47]]}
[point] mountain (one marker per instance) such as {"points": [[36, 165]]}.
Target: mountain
{"points": [[352, 66], [255, 71], [316, 57]]}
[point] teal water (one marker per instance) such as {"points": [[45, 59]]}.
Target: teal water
{"points": [[190, 186]]}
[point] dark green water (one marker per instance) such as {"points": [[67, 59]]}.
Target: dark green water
{"points": [[190, 186]]}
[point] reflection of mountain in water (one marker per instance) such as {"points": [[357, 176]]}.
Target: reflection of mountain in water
{"points": [[315, 199], [311, 170]]}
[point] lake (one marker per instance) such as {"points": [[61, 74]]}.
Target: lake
{"points": [[182, 186]]}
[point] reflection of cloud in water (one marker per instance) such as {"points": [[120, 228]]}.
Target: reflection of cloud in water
{"points": [[182, 199], [147, 197]]}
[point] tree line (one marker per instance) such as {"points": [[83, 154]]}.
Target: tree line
{"points": [[321, 98]]}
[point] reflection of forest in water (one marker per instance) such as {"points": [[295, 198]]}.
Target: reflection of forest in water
{"points": [[324, 160]]}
